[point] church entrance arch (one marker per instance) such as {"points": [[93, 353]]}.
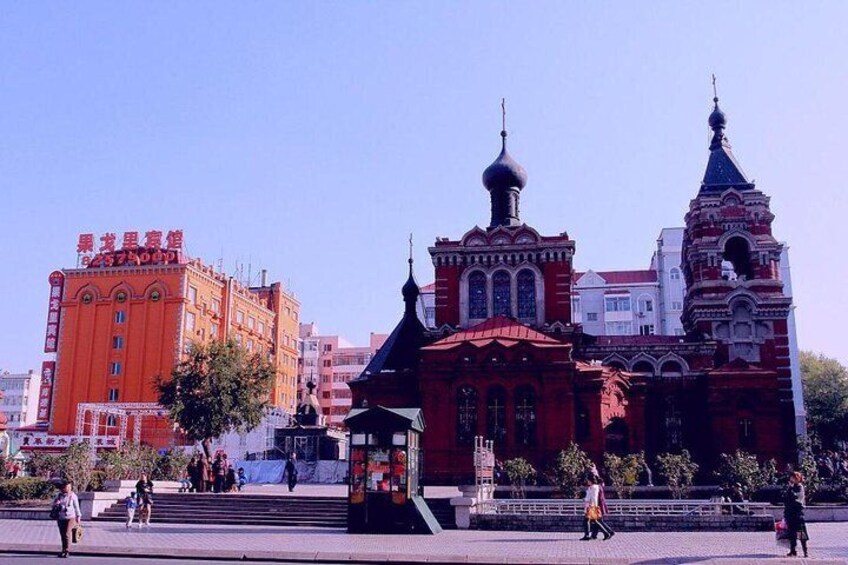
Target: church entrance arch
{"points": [[616, 437]]}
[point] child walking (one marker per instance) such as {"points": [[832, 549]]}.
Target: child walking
{"points": [[131, 504]]}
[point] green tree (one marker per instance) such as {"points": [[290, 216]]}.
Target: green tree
{"points": [[826, 397], [520, 473], [569, 470], [129, 462], [77, 465], [43, 465], [808, 468], [623, 472], [678, 472], [741, 467], [771, 476], [217, 388], [171, 465]]}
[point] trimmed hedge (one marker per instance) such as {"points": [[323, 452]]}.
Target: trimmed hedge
{"points": [[26, 488]]}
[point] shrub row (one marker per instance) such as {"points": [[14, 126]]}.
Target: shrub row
{"points": [[26, 488]]}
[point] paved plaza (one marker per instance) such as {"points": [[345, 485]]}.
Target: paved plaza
{"points": [[829, 544]]}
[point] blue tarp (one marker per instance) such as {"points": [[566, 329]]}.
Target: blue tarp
{"points": [[271, 472]]}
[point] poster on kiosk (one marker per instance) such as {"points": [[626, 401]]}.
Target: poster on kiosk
{"points": [[384, 494]]}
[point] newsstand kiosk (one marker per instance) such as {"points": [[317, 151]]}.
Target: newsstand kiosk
{"points": [[383, 492]]}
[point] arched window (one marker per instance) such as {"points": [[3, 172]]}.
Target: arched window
{"points": [[674, 274], [466, 415], [501, 294], [747, 438], [643, 367], [673, 425], [496, 414], [525, 416], [477, 295], [526, 294], [738, 253], [616, 437], [581, 421], [671, 369]]}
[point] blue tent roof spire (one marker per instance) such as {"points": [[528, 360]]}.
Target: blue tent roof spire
{"points": [[723, 171]]}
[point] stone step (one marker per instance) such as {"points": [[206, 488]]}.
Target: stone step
{"points": [[268, 510]]}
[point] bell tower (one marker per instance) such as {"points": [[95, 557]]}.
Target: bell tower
{"points": [[731, 263], [731, 260]]}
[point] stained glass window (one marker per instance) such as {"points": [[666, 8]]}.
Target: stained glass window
{"points": [[673, 426], [525, 416], [496, 414], [526, 294], [466, 412], [501, 296], [477, 295], [581, 424]]}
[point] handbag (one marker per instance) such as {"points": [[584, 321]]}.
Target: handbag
{"points": [[55, 512], [781, 533], [76, 534], [593, 512]]}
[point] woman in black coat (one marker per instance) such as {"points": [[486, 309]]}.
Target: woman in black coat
{"points": [[794, 501]]}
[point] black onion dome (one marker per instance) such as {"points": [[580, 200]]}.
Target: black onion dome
{"points": [[410, 290], [505, 172], [717, 118]]}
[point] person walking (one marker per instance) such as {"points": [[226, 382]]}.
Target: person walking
{"points": [[131, 504], [193, 472], [204, 474], [602, 504], [242, 479], [144, 495], [794, 501], [291, 471], [219, 471], [66, 512], [593, 516]]}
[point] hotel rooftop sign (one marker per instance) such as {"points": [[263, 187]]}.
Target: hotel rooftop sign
{"points": [[134, 248]]}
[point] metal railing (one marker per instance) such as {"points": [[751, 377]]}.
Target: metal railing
{"points": [[623, 508]]}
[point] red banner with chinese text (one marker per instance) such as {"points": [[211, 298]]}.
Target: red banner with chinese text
{"points": [[54, 310], [45, 392]]}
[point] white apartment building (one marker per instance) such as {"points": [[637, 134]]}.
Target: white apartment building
{"points": [[330, 361], [427, 305], [21, 397], [635, 302]]}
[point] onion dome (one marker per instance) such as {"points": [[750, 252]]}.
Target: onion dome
{"points": [[505, 172], [717, 118], [410, 290]]}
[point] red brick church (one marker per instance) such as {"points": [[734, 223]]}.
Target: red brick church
{"points": [[506, 362]]}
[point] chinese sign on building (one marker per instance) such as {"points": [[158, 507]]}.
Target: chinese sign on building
{"points": [[45, 392], [134, 248], [31, 440], [57, 286]]}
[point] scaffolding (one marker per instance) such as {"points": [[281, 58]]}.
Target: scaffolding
{"points": [[90, 419], [484, 468]]}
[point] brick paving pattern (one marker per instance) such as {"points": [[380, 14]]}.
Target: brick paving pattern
{"points": [[829, 544]]}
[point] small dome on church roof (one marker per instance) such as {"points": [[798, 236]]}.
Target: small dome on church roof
{"points": [[717, 118], [505, 172]]}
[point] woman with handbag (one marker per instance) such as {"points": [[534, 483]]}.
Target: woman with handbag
{"points": [[794, 501], [66, 512], [593, 517]]}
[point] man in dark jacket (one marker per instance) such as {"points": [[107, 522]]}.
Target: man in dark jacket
{"points": [[290, 471]]}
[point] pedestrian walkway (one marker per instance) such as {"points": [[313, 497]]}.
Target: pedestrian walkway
{"points": [[829, 544]]}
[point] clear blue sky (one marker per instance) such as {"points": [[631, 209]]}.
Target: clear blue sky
{"points": [[311, 138]]}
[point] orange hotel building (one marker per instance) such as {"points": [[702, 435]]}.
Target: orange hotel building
{"points": [[123, 323]]}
